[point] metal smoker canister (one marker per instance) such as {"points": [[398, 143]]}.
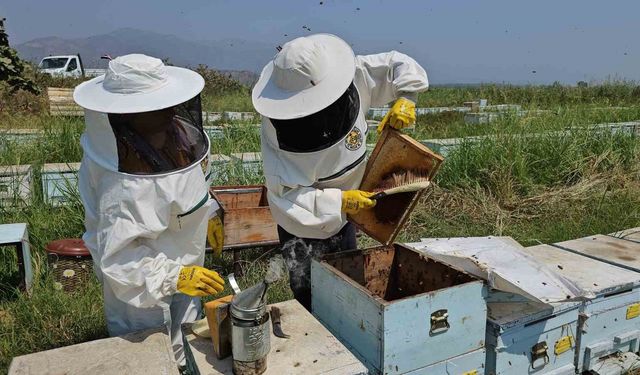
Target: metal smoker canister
{"points": [[250, 332]]}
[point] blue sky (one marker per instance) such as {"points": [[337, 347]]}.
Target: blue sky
{"points": [[456, 41]]}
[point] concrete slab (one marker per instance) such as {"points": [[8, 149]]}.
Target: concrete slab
{"points": [[144, 352], [312, 349]]}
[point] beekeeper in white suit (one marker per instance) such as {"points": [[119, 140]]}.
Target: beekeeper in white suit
{"points": [[143, 183], [313, 97]]}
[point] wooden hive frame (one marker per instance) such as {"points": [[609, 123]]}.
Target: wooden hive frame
{"points": [[394, 152]]}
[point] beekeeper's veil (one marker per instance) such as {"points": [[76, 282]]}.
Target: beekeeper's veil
{"points": [[143, 117]]}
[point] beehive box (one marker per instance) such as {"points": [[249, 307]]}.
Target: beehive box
{"points": [[219, 167], [247, 217], [527, 337], [394, 152], [214, 132], [610, 317], [396, 309], [58, 181], [472, 363], [15, 185], [250, 162]]}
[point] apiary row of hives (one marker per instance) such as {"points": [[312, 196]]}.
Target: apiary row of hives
{"points": [[486, 305]]}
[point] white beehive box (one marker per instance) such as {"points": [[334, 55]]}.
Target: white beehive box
{"points": [[214, 132], [250, 162], [238, 116], [211, 116], [59, 180], [219, 167], [15, 185], [398, 310], [527, 337]]}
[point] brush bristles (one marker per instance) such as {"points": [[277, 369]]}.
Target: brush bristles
{"points": [[416, 186], [403, 178]]}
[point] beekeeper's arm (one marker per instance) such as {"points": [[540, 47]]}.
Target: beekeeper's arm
{"points": [[313, 213], [305, 211], [394, 76]]}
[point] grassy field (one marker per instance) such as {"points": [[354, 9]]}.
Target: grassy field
{"points": [[522, 181]]}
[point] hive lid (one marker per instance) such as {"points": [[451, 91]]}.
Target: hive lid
{"points": [[393, 152], [68, 247], [506, 267], [593, 276], [508, 313]]}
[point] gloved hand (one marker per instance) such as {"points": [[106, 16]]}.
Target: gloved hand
{"points": [[215, 235], [198, 281], [400, 116], [355, 200]]}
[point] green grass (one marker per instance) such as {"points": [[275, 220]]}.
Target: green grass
{"points": [[614, 93], [234, 102], [537, 189]]}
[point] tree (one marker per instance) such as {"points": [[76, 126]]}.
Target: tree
{"points": [[12, 68]]}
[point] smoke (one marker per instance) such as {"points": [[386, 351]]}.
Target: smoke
{"points": [[298, 253], [274, 270]]}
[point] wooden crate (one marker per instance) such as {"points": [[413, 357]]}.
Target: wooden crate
{"points": [[398, 310], [247, 217], [61, 102], [394, 152]]}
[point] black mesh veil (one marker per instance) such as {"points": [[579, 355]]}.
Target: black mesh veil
{"points": [[160, 141], [322, 129]]}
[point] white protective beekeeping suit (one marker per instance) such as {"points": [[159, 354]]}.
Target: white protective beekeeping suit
{"points": [[309, 77], [141, 228]]}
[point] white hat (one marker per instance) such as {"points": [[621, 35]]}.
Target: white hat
{"points": [[306, 76], [138, 83]]}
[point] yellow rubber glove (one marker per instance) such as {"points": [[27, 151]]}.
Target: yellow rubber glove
{"points": [[400, 116], [355, 200], [198, 281], [215, 235]]}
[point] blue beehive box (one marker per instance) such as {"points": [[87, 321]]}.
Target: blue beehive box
{"points": [[532, 323], [400, 311], [472, 363], [610, 315], [527, 337], [59, 182]]}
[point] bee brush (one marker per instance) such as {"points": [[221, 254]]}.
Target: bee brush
{"points": [[403, 182]]}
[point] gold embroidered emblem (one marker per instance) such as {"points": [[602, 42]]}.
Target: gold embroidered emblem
{"points": [[353, 140]]}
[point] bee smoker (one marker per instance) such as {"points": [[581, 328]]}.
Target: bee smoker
{"points": [[250, 331]]}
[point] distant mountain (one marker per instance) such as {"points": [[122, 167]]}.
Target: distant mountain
{"points": [[240, 57]]}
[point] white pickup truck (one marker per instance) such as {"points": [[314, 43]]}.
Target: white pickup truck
{"points": [[67, 66]]}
